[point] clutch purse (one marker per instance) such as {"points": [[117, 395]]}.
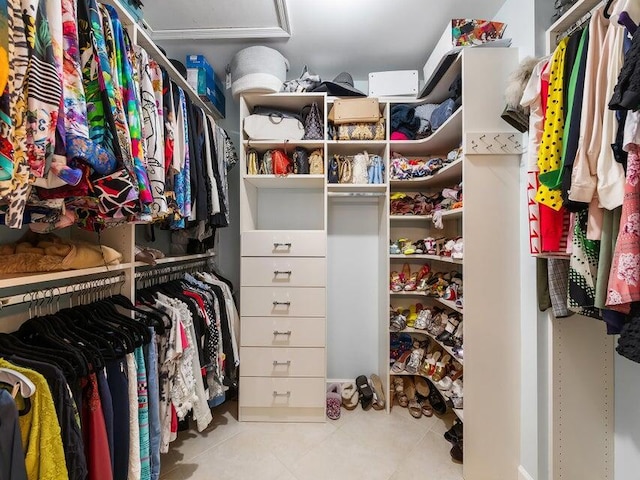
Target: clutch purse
{"points": [[361, 131]]}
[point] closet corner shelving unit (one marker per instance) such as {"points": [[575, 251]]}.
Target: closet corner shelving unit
{"points": [[580, 365], [284, 224], [122, 238]]}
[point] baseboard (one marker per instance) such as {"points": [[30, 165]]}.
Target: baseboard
{"points": [[523, 474], [339, 380]]}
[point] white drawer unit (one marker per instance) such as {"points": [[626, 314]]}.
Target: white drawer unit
{"points": [[283, 302], [287, 272], [282, 392], [282, 362], [282, 332], [284, 244]]}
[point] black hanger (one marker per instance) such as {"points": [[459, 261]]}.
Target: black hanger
{"points": [[10, 344], [606, 9], [153, 319]]}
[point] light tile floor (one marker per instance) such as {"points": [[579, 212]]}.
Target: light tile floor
{"points": [[371, 445]]}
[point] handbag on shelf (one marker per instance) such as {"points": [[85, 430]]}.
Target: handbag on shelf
{"points": [[252, 162], [300, 161], [316, 163], [266, 166], [313, 124], [282, 164], [345, 169], [360, 174], [361, 131], [355, 110], [273, 126], [333, 175]]}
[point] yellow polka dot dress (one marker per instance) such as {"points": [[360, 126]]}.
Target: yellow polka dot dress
{"points": [[550, 152]]}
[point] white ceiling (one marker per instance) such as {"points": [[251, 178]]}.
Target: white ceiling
{"points": [[358, 36]]}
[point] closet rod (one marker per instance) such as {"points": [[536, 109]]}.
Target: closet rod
{"points": [[49, 294], [357, 194], [155, 270]]}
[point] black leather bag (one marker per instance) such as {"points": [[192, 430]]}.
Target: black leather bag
{"points": [[300, 161]]}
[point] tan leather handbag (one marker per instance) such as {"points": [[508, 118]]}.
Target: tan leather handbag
{"points": [[355, 110]]}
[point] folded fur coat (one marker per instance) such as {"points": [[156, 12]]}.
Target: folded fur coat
{"points": [[48, 253]]}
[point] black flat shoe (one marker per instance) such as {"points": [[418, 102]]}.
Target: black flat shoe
{"points": [[454, 434], [437, 401], [366, 393], [456, 452]]}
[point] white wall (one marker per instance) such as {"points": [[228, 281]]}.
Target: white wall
{"points": [[518, 14]]}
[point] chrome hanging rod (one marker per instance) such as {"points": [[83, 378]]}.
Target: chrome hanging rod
{"points": [[48, 295], [157, 270], [357, 194]]}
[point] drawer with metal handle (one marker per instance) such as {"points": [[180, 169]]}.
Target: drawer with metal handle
{"points": [[283, 332], [290, 272], [282, 362], [283, 302], [265, 243], [282, 392]]}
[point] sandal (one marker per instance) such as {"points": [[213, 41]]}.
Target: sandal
{"points": [[398, 365], [412, 316], [425, 406], [423, 319], [349, 396], [378, 392], [398, 388], [441, 368], [398, 323], [397, 285], [422, 386], [334, 401], [430, 243], [413, 364], [412, 283], [410, 391], [365, 392], [433, 364], [394, 248], [420, 247]]}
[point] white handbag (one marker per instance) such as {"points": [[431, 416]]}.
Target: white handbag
{"points": [[273, 127]]}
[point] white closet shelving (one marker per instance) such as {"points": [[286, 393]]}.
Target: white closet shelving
{"points": [[580, 365], [122, 238], [278, 210]]}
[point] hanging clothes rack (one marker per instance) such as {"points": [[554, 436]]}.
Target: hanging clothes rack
{"points": [[160, 274], [42, 297]]}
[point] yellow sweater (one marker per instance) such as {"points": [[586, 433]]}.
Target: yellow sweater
{"points": [[41, 438]]}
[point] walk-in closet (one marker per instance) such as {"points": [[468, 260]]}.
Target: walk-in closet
{"points": [[303, 241]]}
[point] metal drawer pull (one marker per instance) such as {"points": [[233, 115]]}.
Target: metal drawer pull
{"points": [[276, 332], [278, 244], [277, 363], [280, 272], [278, 394], [276, 303]]}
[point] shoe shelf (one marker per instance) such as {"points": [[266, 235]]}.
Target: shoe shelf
{"points": [[288, 181], [357, 187], [446, 348], [447, 137], [442, 392], [447, 303], [459, 413], [264, 145], [447, 174], [448, 214], [418, 257]]}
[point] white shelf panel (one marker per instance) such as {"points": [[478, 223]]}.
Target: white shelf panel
{"points": [[355, 187], [289, 181], [459, 413], [447, 303], [446, 348], [24, 279], [435, 258], [449, 214], [177, 259], [287, 145], [571, 16], [446, 138], [451, 173]]}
